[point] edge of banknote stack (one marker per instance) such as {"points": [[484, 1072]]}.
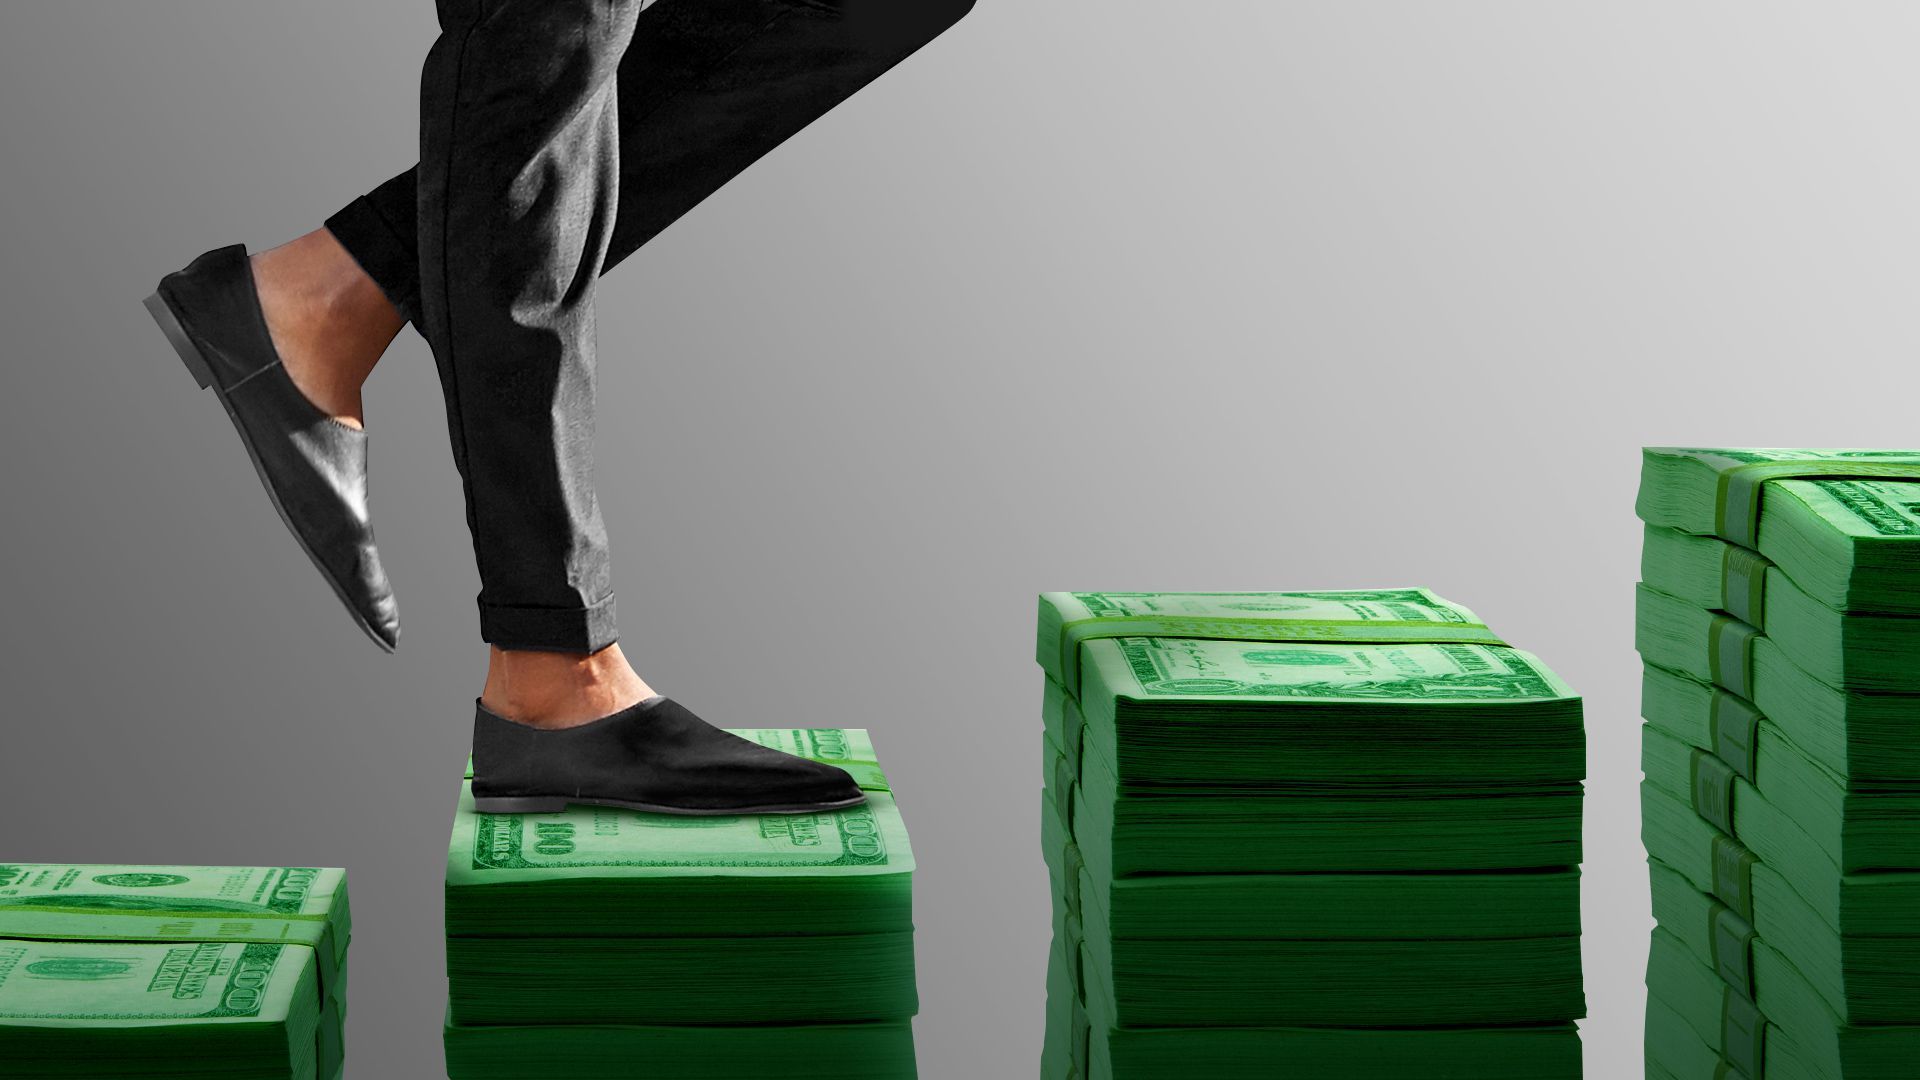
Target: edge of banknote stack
{"points": [[596, 944], [1778, 616], [1306, 833], [110, 971]]}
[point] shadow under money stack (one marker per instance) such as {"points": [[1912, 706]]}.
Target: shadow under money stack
{"points": [[1306, 834], [596, 944], [1779, 621], [172, 971]]}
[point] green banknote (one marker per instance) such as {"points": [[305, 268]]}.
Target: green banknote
{"points": [[848, 748], [305, 906], [1373, 979], [262, 904], [1858, 832], [1385, 982], [1865, 738], [1234, 830], [1857, 650], [1235, 907], [1730, 725], [1185, 711], [1843, 524], [794, 979], [120, 1009], [1786, 1032], [621, 926], [1077, 1046], [127, 982], [83, 984], [1068, 619], [1681, 1043], [1774, 865], [1862, 980], [1236, 786], [600, 872], [814, 1051]]}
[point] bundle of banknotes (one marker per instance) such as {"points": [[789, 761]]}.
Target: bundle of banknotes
{"points": [[1779, 623], [1330, 834], [108, 972], [599, 943]]}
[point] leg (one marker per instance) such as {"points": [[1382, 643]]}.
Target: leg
{"points": [[707, 88], [518, 185]]}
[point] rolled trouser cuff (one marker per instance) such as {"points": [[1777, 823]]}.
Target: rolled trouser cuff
{"points": [[386, 256], [582, 630]]}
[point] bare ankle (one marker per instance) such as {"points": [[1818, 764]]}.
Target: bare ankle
{"points": [[328, 319], [558, 690]]}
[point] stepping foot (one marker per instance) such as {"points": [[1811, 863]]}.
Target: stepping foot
{"points": [[314, 467], [656, 757]]}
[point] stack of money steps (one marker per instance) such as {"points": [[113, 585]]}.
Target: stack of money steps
{"points": [[231, 973], [1779, 622], [596, 944], [1324, 834]]}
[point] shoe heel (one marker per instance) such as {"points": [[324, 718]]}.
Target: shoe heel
{"points": [[534, 805], [182, 344]]}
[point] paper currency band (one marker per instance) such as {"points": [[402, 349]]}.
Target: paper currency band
{"points": [[1743, 1034], [1082, 1044], [1730, 939], [1735, 726], [1733, 875], [1071, 866], [1074, 725], [1306, 631], [1066, 781], [1713, 791], [1743, 586], [1737, 514], [119, 924], [1730, 654]]}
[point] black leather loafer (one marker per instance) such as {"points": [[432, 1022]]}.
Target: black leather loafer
{"points": [[314, 467], [656, 756]]}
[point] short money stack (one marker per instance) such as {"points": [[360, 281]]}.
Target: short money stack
{"points": [[599, 943], [1326, 834], [172, 971], [1779, 622]]}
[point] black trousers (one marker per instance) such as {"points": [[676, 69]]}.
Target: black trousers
{"points": [[556, 138]]}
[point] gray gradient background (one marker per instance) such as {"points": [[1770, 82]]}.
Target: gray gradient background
{"points": [[1085, 295]]}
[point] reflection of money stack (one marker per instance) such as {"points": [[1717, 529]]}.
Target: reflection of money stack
{"points": [[598, 943], [1779, 618], [187, 971], [1306, 834]]}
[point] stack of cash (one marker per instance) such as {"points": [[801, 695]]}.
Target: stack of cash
{"points": [[1312, 834], [1779, 622], [599, 943], [214, 971]]}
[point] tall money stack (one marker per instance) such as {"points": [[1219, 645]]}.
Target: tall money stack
{"points": [[1779, 622], [601, 944], [1330, 834], [109, 972]]}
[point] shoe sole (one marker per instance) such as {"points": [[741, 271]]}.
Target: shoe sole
{"points": [[202, 372], [548, 805]]}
